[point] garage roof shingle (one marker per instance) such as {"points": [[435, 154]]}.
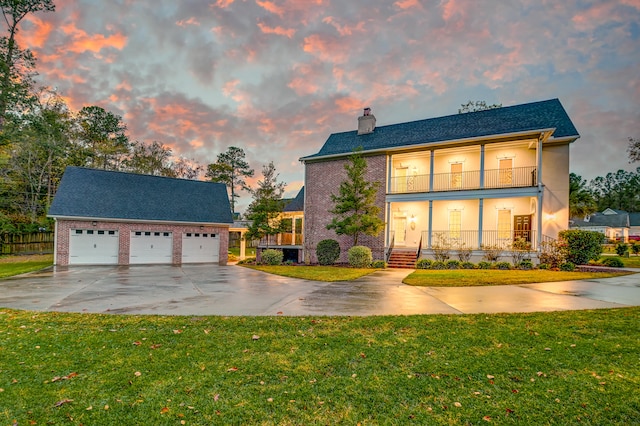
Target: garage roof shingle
{"points": [[103, 194]]}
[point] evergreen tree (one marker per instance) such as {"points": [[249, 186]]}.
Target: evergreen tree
{"points": [[231, 169], [355, 212], [264, 211], [581, 201]]}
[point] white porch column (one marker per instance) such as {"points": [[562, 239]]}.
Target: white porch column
{"points": [[243, 245], [480, 218], [481, 167], [540, 192], [430, 220]]}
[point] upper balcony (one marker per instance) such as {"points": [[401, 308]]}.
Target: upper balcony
{"points": [[515, 177]]}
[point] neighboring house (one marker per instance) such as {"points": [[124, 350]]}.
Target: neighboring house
{"points": [[613, 224], [290, 241], [116, 218], [634, 226], [469, 180]]}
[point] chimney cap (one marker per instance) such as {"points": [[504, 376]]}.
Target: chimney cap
{"points": [[367, 111]]}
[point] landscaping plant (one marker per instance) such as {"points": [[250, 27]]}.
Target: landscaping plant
{"points": [[327, 252], [582, 246], [359, 257], [272, 257]]}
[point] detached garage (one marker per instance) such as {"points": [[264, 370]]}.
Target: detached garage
{"points": [[115, 218]]}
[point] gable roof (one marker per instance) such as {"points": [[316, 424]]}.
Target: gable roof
{"points": [[534, 116], [295, 204], [103, 194], [618, 220], [634, 219]]}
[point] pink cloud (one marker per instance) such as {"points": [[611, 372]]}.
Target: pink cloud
{"points": [[407, 4], [271, 7], [223, 4], [326, 48], [344, 30], [287, 32], [38, 35], [188, 22], [81, 41]]}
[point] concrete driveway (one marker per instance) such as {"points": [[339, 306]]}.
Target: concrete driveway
{"points": [[234, 290]]}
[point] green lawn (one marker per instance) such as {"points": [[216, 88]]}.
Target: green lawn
{"points": [[576, 367], [488, 277], [16, 265], [316, 273]]}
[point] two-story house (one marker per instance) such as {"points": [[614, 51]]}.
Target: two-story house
{"points": [[470, 180]]}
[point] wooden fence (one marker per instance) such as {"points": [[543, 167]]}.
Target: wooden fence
{"points": [[37, 242]]}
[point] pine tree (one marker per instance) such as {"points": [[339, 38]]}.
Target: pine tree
{"points": [[355, 212], [264, 211], [231, 169]]}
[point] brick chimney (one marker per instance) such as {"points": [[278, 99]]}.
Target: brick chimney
{"points": [[367, 122]]}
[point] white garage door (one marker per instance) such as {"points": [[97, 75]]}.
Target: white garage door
{"points": [[150, 247], [93, 247], [200, 248]]}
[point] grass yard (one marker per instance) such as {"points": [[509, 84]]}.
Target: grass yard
{"points": [[489, 277], [541, 368], [316, 273], [16, 265]]}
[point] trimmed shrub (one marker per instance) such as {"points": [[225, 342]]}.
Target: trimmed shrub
{"points": [[379, 264], [544, 266], [613, 262], [582, 246], [467, 265], [635, 247], [525, 264], [328, 251], [247, 261], [503, 265], [484, 265], [271, 257], [568, 267], [360, 257], [438, 264], [424, 263], [553, 253], [452, 264], [491, 252], [621, 249]]}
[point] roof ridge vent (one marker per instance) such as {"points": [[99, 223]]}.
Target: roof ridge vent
{"points": [[367, 122]]}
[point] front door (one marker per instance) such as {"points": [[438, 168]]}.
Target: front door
{"points": [[400, 228], [522, 227]]}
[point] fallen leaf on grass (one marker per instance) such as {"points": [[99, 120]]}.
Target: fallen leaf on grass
{"points": [[255, 337], [216, 397], [156, 346], [137, 374], [457, 404], [67, 377], [489, 376], [164, 410], [137, 343], [487, 418], [62, 402], [233, 369], [177, 331]]}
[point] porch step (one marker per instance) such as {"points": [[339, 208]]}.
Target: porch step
{"points": [[402, 259]]}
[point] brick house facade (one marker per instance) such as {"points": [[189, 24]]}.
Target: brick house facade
{"points": [[323, 179]]}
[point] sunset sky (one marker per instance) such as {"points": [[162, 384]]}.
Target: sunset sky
{"points": [[276, 78]]}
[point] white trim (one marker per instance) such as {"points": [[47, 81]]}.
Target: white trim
{"points": [[109, 219]]}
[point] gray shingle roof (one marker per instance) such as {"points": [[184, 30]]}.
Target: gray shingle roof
{"points": [[620, 220], [295, 204], [519, 118], [92, 193]]}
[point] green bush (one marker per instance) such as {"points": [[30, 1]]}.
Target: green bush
{"points": [[247, 261], [438, 264], [452, 264], [424, 263], [635, 247], [582, 246], [613, 262], [379, 264], [359, 257], [568, 267], [553, 253], [621, 248], [467, 265], [484, 265], [525, 264], [328, 251], [544, 266], [503, 265], [271, 257]]}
